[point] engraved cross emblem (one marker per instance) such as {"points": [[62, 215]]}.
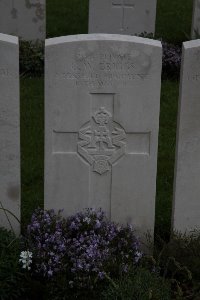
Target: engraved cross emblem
{"points": [[101, 143], [123, 5]]}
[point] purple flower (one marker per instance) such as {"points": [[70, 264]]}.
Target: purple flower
{"points": [[50, 273], [171, 59], [86, 246], [138, 256], [47, 241], [101, 275]]}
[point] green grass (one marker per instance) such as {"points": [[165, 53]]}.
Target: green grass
{"points": [[166, 155], [139, 284], [67, 17], [174, 19], [32, 141]]}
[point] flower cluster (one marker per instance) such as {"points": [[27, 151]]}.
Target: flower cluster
{"points": [[47, 241], [171, 59], [86, 246], [26, 259]]}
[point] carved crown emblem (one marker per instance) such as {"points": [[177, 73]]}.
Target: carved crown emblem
{"points": [[102, 116]]}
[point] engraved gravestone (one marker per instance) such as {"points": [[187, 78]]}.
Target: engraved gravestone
{"points": [[186, 205], [9, 131], [23, 18], [196, 19], [102, 115], [122, 16]]}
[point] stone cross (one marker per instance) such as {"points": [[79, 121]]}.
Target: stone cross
{"points": [[101, 143], [123, 5]]}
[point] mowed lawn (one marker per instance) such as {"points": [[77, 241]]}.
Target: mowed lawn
{"points": [[32, 145], [66, 17]]}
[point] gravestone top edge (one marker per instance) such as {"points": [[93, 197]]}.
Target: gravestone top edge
{"points": [[101, 37], [9, 38], [191, 44]]}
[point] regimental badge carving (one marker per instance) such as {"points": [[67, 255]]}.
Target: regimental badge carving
{"points": [[101, 141]]}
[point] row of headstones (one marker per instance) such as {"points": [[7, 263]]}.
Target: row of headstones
{"points": [[101, 129], [26, 18]]}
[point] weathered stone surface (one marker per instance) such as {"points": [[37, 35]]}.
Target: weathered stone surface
{"points": [[122, 16], [102, 118], [196, 20], [23, 18], [9, 131], [187, 172]]}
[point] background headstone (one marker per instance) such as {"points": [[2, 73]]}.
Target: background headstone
{"points": [[102, 118], [196, 19], [9, 131], [23, 18], [122, 16], [187, 171]]}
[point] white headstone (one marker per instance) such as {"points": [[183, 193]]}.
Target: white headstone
{"points": [[102, 119], [23, 18], [9, 132], [196, 19], [122, 16], [187, 171]]}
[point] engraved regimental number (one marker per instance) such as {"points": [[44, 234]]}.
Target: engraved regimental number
{"points": [[101, 141]]}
